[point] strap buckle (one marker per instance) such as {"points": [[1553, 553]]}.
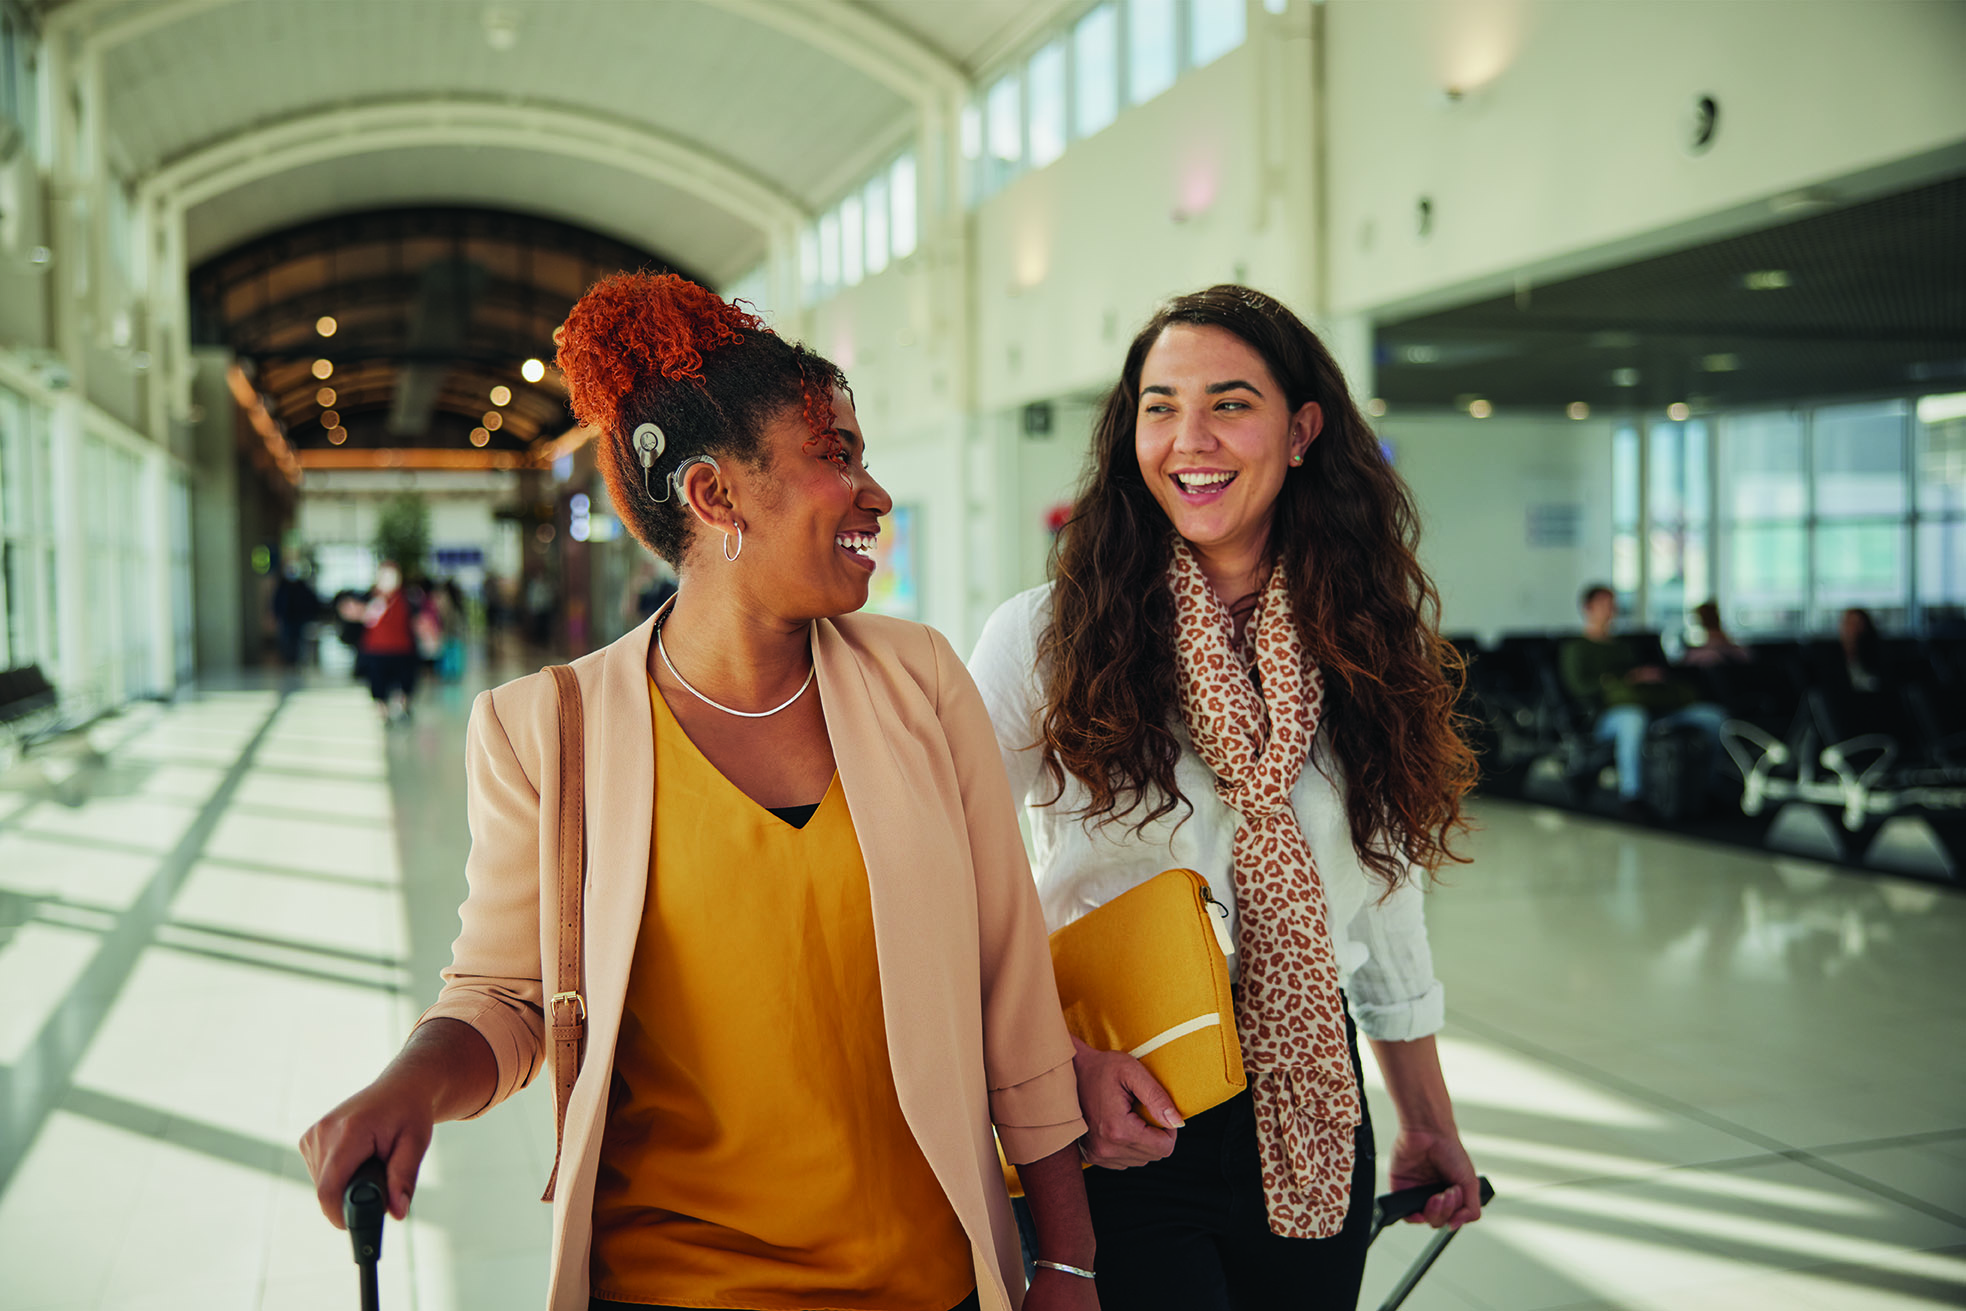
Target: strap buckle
{"points": [[580, 1006]]}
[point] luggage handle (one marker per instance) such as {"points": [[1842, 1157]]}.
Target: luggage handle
{"points": [[364, 1206], [1394, 1207]]}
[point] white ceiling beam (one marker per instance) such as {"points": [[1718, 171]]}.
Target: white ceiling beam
{"points": [[266, 150], [862, 40]]}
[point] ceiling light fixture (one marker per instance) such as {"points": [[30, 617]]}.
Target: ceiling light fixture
{"points": [[479, 437], [1767, 280], [1479, 408], [494, 420], [323, 369], [1726, 362], [1624, 377], [1376, 407], [1578, 410], [1679, 411], [336, 436], [532, 370], [325, 325], [324, 397], [501, 395], [330, 419]]}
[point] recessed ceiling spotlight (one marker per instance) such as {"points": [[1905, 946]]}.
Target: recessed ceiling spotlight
{"points": [[494, 420], [1376, 407], [1767, 280], [336, 436], [1479, 408], [1578, 410], [324, 397], [501, 395], [330, 419], [325, 325], [1624, 377], [1679, 411], [532, 370], [479, 437], [324, 369], [501, 29]]}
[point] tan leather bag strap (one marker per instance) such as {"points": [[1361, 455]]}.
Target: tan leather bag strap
{"points": [[566, 1010]]}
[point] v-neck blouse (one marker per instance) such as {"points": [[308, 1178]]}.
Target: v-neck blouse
{"points": [[755, 1154]]}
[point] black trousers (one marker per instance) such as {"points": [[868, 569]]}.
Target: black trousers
{"points": [[1191, 1233], [597, 1304]]}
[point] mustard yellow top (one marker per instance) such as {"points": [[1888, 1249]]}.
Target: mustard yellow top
{"points": [[755, 1154]]}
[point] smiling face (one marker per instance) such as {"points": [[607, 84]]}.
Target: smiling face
{"points": [[1214, 435], [810, 517]]}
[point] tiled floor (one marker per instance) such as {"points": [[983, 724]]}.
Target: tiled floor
{"points": [[1698, 1077]]}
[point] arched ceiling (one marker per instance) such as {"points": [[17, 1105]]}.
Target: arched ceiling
{"points": [[433, 309], [796, 96]]}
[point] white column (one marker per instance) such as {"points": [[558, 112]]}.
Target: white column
{"points": [[73, 629]]}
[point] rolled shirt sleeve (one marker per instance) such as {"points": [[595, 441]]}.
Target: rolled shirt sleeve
{"points": [[1393, 993]]}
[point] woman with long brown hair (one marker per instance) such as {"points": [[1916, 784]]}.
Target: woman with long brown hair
{"points": [[1237, 669], [814, 975]]}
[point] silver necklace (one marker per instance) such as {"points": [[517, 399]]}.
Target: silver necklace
{"points": [[663, 651]]}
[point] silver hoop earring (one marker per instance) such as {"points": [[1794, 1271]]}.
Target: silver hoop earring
{"points": [[730, 554]]}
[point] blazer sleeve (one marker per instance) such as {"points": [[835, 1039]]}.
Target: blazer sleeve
{"points": [[1027, 1053], [493, 982]]}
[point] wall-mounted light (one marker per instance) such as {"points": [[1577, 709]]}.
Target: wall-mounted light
{"points": [[532, 370]]}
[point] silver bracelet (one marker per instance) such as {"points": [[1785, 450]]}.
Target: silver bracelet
{"points": [[1066, 1269]]}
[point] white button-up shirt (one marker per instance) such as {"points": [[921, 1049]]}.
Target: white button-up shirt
{"points": [[1380, 941]]}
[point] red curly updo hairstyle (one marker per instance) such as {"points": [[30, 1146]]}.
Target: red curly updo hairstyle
{"points": [[655, 348]]}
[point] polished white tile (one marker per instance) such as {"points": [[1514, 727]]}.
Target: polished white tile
{"points": [[83, 874], [39, 965]]}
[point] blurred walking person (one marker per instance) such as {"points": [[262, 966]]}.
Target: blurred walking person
{"points": [[388, 647]]}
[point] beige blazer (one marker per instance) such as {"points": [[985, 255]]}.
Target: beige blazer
{"points": [[973, 1025]]}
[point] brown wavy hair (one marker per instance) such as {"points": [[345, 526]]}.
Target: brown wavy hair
{"points": [[1345, 531]]}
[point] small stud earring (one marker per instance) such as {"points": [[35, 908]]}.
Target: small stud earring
{"points": [[1296, 460]]}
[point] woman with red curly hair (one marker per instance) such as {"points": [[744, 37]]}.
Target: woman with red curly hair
{"points": [[1238, 670], [815, 969]]}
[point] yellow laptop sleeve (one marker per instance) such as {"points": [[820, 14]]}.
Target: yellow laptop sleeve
{"points": [[1148, 974]]}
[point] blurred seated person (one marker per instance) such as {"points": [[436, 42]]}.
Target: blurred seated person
{"points": [[1627, 699], [1863, 650], [1718, 648]]}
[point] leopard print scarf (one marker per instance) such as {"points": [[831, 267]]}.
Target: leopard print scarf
{"points": [[1288, 1011]]}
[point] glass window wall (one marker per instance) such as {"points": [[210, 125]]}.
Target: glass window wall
{"points": [[1151, 56], [1095, 70]]}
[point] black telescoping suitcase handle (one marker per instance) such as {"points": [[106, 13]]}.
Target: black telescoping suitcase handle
{"points": [[364, 1206], [1394, 1207]]}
